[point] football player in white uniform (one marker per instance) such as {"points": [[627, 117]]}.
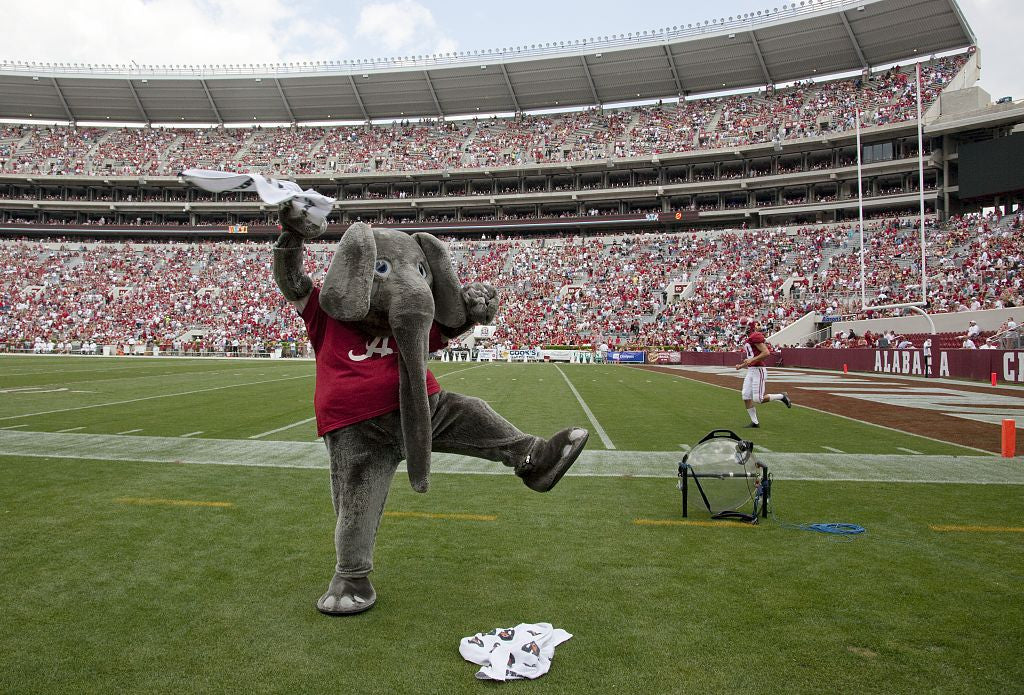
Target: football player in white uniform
{"points": [[756, 350]]}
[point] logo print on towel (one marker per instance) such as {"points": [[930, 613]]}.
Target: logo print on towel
{"points": [[507, 634], [377, 346], [532, 648]]}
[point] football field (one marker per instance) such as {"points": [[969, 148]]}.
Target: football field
{"points": [[163, 531]]}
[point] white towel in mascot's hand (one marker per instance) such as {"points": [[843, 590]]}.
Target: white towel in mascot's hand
{"points": [[313, 205]]}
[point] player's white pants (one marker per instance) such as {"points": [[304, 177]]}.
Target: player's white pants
{"points": [[753, 384]]}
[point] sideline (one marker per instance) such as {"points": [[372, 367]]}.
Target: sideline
{"points": [[48, 448]]}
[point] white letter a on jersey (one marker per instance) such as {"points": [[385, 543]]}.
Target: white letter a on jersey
{"points": [[377, 346]]}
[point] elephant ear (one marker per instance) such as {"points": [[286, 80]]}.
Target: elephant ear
{"points": [[449, 307], [346, 292]]}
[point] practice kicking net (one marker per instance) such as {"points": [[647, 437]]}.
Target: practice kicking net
{"points": [[721, 477]]}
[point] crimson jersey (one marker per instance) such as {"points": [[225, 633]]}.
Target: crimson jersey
{"points": [[356, 373], [752, 340]]}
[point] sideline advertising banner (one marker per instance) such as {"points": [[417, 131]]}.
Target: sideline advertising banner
{"points": [[626, 357], [666, 357], [560, 355], [518, 355], [1007, 365]]}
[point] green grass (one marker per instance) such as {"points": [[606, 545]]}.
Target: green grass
{"points": [[639, 410], [99, 595]]}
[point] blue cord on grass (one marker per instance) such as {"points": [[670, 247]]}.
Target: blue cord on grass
{"points": [[832, 528], [837, 529]]}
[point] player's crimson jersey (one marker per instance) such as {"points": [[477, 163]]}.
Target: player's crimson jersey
{"points": [[356, 373], [748, 347]]}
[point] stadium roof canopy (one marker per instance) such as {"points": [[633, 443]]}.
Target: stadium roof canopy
{"points": [[771, 46]]}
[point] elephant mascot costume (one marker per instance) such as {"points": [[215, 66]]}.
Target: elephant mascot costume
{"points": [[389, 298]]}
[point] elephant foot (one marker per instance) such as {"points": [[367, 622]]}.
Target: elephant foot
{"points": [[546, 464], [346, 596]]}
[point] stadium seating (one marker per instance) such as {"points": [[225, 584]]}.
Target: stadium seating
{"points": [[803, 110], [618, 290]]}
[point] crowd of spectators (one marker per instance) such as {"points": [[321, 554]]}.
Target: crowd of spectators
{"points": [[192, 297], [802, 110], [974, 262], [684, 290]]}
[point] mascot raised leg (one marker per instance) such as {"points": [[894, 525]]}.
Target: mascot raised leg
{"points": [[387, 300]]}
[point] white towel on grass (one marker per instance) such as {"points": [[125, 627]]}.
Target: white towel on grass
{"points": [[315, 206], [512, 653]]}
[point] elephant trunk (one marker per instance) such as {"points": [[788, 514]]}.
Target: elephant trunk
{"points": [[411, 333]]}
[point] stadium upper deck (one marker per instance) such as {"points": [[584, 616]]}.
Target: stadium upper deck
{"points": [[780, 155], [764, 47], [804, 110]]}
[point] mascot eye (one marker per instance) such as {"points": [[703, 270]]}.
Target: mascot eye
{"points": [[422, 269], [382, 268]]}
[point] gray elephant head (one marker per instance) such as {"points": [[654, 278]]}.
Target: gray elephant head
{"points": [[392, 283]]}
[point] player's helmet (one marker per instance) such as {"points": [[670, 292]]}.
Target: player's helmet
{"points": [[746, 324]]}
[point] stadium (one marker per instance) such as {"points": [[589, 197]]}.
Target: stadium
{"points": [[829, 169]]}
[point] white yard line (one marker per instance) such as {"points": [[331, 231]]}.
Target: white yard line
{"points": [[833, 449], [464, 369], [133, 377], [12, 427], [49, 370], [130, 431], [586, 409], [72, 429], [34, 390], [282, 429], [190, 434], [150, 398], [909, 451], [311, 419]]}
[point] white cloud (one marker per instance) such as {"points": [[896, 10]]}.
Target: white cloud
{"points": [[404, 27], [179, 32], [166, 32]]}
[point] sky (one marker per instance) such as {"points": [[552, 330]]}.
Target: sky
{"points": [[178, 32]]}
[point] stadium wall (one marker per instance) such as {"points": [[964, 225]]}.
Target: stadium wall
{"points": [[1007, 365]]}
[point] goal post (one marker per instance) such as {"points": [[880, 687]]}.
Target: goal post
{"points": [[923, 302]]}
